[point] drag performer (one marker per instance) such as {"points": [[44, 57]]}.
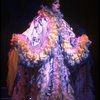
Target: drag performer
{"points": [[41, 58]]}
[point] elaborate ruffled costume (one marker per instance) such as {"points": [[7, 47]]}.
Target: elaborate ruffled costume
{"points": [[40, 58]]}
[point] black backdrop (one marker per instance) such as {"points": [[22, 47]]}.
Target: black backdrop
{"points": [[17, 14]]}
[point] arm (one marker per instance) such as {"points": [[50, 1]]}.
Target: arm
{"points": [[35, 43], [76, 49]]}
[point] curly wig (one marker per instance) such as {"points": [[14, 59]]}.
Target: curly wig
{"points": [[48, 2]]}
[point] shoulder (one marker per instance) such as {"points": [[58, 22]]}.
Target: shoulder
{"points": [[42, 18]]}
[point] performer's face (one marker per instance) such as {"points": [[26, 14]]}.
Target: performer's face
{"points": [[56, 6]]}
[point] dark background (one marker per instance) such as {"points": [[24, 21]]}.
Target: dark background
{"points": [[81, 14]]}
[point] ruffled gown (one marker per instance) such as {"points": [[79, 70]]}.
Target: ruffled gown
{"points": [[40, 58]]}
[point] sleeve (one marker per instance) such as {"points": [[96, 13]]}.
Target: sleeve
{"points": [[23, 50], [34, 44], [75, 48]]}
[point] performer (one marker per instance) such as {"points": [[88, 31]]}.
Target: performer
{"points": [[40, 58]]}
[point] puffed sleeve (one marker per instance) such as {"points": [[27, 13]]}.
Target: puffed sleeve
{"points": [[35, 43], [29, 43], [75, 48]]}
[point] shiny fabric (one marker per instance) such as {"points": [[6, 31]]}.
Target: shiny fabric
{"points": [[46, 50]]}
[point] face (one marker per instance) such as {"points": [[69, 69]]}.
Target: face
{"points": [[56, 6]]}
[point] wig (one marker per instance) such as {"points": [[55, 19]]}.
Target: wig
{"points": [[49, 2]]}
